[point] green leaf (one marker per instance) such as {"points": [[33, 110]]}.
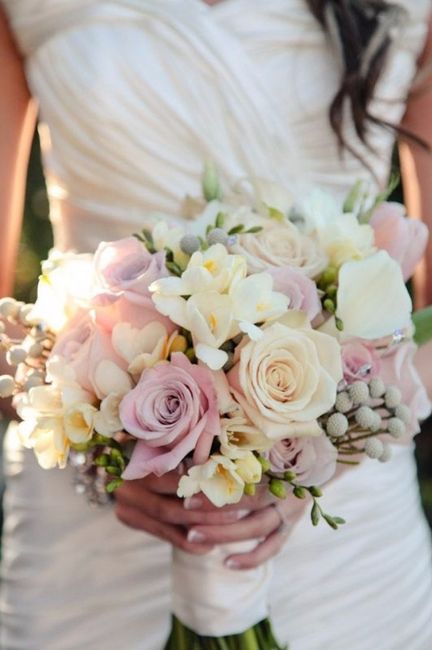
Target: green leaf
{"points": [[174, 268], [275, 214], [113, 470], [236, 230], [220, 220], [353, 197], [339, 521], [331, 521], [381, 197], [315, 514], [423, 325], [254, 230]]}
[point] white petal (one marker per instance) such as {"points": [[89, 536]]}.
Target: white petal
{"points": [[254, 332], [213, 358], [129, 341], [109, 378], [372, 299]]}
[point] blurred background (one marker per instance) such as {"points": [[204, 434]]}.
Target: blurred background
{"points": [[37, 239]]}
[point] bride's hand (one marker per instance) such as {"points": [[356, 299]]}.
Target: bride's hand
{"points": [[151, 505], [267, 519]]}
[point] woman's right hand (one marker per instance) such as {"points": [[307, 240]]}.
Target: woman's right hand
{"points": [[151, 505]]}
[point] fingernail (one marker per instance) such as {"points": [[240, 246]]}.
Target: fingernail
{"points": [[195, 536], [232, 564], [241, 514], [192, 503]]}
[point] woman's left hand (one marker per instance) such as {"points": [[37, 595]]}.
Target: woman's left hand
{"points": [[268, 519]]}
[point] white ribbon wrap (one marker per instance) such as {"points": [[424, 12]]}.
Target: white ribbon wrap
{"points": [[213, 600]]}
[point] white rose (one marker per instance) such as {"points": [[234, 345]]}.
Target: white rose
{"points": [[287, 379], [278, 245], [372, 300]]}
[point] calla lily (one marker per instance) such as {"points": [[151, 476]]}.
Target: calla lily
{"points": [[372, 299]]}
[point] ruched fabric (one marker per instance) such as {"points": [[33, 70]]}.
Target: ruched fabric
{"points": [[134, 95]]}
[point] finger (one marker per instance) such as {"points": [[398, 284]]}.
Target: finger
{"points": [[263, 552], [172, 534], [257, 525], [171, 510], [260, 500]]}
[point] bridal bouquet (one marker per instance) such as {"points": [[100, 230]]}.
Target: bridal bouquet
{"points": [[257, 346]]}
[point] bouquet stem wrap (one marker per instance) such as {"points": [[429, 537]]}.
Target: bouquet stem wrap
{"points": [[212, 604]]}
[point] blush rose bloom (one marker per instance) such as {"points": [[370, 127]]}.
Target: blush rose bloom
{"points": [[403, 238], [360, 360], [126, 267], [398, 369], [281, 245], [89, 353], [301, 290], [287, 379], [313, 459], [172, 411]]}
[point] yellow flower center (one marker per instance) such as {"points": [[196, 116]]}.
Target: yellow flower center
{"points": [[212, 322], [211, 266]]}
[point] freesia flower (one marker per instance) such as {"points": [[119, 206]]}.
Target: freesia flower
{"points": [[212, 270], [65, 287], [345, 239], [372, 300], [142, 348], [107, 420], [218, 479], [239, 436], [287, 379], [172, 411], [403, 238], [167, 235], [53, 417], [313, 459]]}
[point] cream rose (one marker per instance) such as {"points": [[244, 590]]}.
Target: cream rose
{"points": [[287, 379], [281, 244]]}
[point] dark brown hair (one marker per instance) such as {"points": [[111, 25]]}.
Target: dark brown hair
{"points": [[362, 30]]}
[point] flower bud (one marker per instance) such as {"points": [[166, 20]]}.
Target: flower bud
{"points": [[35, 350], [290, 476], [190, 244], [7, 386], [278, 488], [343, 402], [179, 344], [359, 392], [315, 491], [24, 315], [365, 417], [299, 492], [376, 387], [396, 428], [265, 463], [16, 355], [250, 489], [374, 448], [210, 182], [337, 425], [9, 308], [393, 397], [217, 236], [403, 412]]}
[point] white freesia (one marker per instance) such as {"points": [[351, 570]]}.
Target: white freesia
{"points": [[78, 422], [50, 414], [214, 318], [316, 210], [107, 420], [372, 300], [278, 245], [212, 270], [249, 468], [169, 236], [239, 436], [66, 285], [218, 479], [344, 239]]}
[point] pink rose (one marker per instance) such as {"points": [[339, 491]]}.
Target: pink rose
{"points": [[300, 289], [398, 369], [172, 411], [313, 459], [109, 312], [126, 267], [403, 238], [88, 350], [360, 360]]}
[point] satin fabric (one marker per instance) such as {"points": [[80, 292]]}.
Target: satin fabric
{"points": [[134, 95]]}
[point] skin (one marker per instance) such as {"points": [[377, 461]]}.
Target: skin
{"points": [[150, 504]]}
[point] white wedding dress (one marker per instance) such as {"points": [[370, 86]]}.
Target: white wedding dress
{"points": [[134, 95]]}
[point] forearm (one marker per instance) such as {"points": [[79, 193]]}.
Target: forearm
{"points": [[17, 120]]}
